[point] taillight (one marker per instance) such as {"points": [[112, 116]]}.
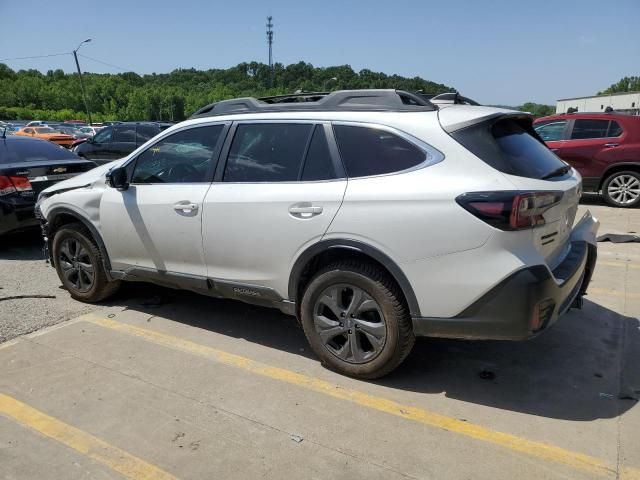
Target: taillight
{"points": [[510, 210], [11, 184]]}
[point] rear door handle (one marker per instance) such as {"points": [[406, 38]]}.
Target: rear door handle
{"points": [[186, 207], [305, 210], [611, 145]]}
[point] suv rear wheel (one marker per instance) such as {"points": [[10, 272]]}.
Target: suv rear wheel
{"points": [[78, 262], [356, 320], [622, 189]]}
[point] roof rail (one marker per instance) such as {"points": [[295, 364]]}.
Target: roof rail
{"points": [[341, 100]]}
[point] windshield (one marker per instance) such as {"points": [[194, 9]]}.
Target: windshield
{"points": [[510, 146]]}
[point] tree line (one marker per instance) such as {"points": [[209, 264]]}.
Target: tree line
{"points": [[55, 95]]}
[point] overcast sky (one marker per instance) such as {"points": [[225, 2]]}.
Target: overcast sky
{"points": [[496, 52]]}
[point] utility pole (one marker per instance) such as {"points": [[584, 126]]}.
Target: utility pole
{"points": [[84, 95], [270, 43]]}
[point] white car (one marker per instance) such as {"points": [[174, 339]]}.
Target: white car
{"points": [[373, 216]]}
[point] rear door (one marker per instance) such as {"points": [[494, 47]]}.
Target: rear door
{"points": [[275, 195], [590, 145]]}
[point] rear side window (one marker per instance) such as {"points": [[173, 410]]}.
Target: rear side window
{"points": [[589, 129], [145, 133], [318, 165], [369, 151], [511, 147], [267, 152], [551, 131], [615, 130], [33, 151], [124, 134]]}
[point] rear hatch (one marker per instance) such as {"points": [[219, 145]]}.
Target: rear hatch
{"points": [[43, 174], [506, 141]]}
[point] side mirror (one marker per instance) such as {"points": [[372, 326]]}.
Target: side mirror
{"points": [[117, 178]]}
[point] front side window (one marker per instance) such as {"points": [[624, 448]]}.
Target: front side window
{"points": [[551, 131], [183, 157], [583, 129], [267, 152], [124, 134], [103, 136], [369, 151]]}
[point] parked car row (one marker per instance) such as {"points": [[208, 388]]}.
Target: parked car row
{"points": [[603, 147]]}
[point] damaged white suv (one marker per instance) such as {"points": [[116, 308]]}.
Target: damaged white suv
{"points": [[373, 216]]}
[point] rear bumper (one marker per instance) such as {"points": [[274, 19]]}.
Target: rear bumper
{"points": [[526, 302], [17, 213]]}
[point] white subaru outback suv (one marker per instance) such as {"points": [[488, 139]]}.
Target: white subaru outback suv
{"points": [[373, 216]]}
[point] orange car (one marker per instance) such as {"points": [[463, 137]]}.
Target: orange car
{"points": [[47, 133]]}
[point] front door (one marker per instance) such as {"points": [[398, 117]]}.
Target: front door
{"points": [[279, 191], [156, 223]]}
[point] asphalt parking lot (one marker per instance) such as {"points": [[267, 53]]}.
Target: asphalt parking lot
{"points": [[166, 384]]}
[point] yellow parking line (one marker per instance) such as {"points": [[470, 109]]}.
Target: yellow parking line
{"points": [[612, 293], [93, 447], [512, 442]]}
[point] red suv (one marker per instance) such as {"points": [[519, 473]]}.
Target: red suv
{"points": [[603, 147]]}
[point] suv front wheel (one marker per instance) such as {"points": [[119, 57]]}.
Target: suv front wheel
{"points": [[79, 264], [622, 189], [355, 319]]}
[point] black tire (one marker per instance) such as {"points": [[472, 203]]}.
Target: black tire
{"points": [[390, 308], [620, 177], [99, 288]]}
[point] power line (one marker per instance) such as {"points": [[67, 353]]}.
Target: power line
{"points": [[105, 63], [35, 56]]}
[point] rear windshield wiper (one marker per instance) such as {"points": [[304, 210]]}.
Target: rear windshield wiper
{"points": [[558, 172]]}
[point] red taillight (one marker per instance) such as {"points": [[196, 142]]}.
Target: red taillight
{"points": [[510, 210], [12, 184]]}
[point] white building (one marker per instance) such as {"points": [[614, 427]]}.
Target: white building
{"points": [[628, 102]]}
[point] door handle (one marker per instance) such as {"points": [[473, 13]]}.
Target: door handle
{"points": [[611, 145], [305, 210], [554, 150], [185, 207]]}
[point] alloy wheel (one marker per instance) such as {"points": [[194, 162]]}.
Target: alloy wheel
{"points": [[76, 265], [624, 189], [350, 323]]}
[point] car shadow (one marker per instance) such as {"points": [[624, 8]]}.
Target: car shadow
{"points": [[592, 199], [582, 369], [26, 245]]}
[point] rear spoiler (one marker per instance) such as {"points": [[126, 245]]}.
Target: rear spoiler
{"points": [[488, 119]]}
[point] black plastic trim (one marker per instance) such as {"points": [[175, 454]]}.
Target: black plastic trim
{"points": [[505, 311], [358, 246], [87, 223]]}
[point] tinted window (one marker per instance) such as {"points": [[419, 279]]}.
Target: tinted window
{"points": [[33, 151], [615, 130], [268, 152], [590, 129], [318, 165], [103, 136], [551, 131], [371, 151], [145, 133], [124, 133], [510, 147], [183, 157]]}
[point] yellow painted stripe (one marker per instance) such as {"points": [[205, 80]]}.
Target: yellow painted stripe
{"points": [[93, 447], [618, 264], [512, 442], [612, 293]]}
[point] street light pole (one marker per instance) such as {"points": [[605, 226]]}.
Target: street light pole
{"points": [[84, 95]]}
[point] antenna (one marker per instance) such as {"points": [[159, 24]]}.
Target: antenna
{"points": [[270, 43]]}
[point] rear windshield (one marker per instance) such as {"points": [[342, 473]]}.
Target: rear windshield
{"points": [[511, 146], [32, 151]]}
